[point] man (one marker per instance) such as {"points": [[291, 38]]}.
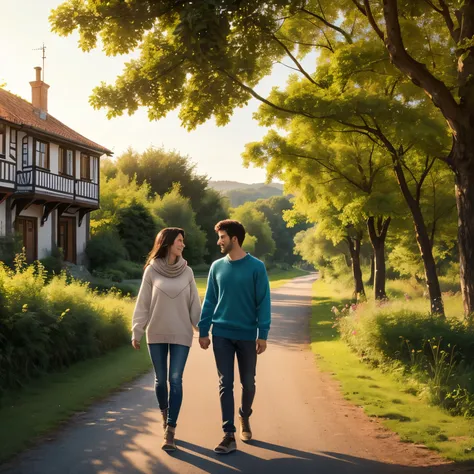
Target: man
{"points": [[237, 305]]}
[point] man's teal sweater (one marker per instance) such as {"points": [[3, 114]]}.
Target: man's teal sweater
{"points": [[237, 301]]}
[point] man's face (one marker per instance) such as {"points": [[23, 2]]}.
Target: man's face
{"points": [[225, 242]]}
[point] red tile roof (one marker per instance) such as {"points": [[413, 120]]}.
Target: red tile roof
{"points": [[18, 111]]}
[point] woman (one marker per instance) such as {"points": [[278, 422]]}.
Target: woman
{"points": [[168, 306]]}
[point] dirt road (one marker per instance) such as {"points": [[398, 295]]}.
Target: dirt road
{"points": [[301, 423]]}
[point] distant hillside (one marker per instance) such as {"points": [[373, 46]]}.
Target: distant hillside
{"points": [[225, 186], [240, 193]]}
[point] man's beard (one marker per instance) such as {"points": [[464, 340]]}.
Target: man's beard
{"points": [[227, 248]]}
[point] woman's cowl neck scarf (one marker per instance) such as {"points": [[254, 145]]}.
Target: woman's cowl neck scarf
{"points": [[162, 266]]}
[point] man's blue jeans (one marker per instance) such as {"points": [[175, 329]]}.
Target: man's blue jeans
{"points": [[225, 351], [178, 358]]}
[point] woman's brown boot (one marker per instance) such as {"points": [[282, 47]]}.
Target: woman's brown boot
{"points": [[169, 442], [164, 414]]}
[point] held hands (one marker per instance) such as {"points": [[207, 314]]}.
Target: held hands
{"points": [[136, 344], [261, 346], [204, 342]]}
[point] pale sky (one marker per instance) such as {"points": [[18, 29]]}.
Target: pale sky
{"points": [[72, 74]]}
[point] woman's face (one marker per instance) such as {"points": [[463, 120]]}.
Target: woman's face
{"points": [[177, 248]]}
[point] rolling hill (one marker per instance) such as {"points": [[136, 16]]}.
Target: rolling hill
{"points": [[239, 193]]}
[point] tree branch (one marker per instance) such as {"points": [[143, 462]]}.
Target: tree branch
{"points": [[444, 11], [370, 17], [329, 168], [293, 58], [286, 65], [417, 72], [359, 7], [262, 99], [344, 33], [427, 169], [302, 43]]}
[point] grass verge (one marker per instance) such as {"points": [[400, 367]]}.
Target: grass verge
{"points": [[383, 394], [52, 399], [282, 277]]}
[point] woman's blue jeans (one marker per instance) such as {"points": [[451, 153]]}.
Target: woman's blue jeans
{"points": [[178, 357]]}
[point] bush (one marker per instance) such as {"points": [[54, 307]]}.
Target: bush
{"points": [[10, 245], [54, 262], [110, 274], [105, 248], [137, 230], [130, 270], [106, 287], [201, 268], [46, 327], [436, 352]]}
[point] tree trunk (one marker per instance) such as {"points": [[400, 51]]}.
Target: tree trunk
{"points": [[377, 239], [372, 270], [424, 244], [460, 118], [354, 248], [464, 179]]}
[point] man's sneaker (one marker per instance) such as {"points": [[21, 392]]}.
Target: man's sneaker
{"points": [[169, 443], [227, 445], [245, 430]]}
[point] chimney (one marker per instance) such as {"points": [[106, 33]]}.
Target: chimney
{"points": [[39, 94]]}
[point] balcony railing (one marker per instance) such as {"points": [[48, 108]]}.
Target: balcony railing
{"points": [[38, 180], [53, 182], [7, 172], [87, 190]]}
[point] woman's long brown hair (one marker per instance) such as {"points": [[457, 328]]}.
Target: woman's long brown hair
{"points": [[164, 240]]}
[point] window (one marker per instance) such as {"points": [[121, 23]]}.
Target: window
{"points": [[24, 152], [13, 140], [85, 166], [94, 169], [41, 154], [2, 140], [66, 162]]}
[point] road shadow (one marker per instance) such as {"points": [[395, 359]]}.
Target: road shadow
{"points": [[284, 460], [111, 438]]}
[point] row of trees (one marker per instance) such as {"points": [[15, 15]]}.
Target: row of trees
{"points": [[404, 114], [142, 193]]}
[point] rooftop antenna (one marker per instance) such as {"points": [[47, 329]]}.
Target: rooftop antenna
{"points": [[43, 48]]}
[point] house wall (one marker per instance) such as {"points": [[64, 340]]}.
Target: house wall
{"points": [[44, 232], [3, 220], [47, 234], [81, 240]]}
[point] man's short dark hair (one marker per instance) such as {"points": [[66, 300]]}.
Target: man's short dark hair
{"points": [[233, 229]]}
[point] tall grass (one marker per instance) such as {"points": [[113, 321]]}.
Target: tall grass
{"points": [[434, 356], [46, 325]]}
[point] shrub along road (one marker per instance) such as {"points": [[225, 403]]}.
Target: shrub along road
{"points": [[301, 422]]}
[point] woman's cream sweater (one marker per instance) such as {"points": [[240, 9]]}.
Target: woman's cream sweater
{"points": [[167, 308]]}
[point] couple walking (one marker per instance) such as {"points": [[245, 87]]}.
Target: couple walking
{"points": [[236, 305]]}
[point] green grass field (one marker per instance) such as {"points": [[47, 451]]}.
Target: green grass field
{"points": [[382, 394], [47, 402]]}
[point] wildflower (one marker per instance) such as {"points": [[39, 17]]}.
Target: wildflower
{"points": [[354, 332]]}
